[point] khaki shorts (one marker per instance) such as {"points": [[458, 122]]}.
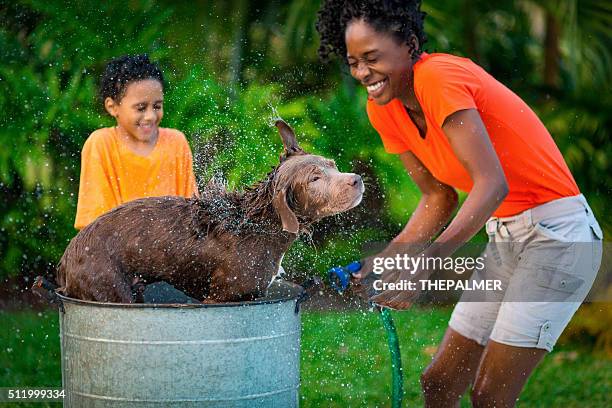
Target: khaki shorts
{"points": [[547, 259]]}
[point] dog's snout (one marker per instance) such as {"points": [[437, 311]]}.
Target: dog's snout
{"points": [[354, 180]]}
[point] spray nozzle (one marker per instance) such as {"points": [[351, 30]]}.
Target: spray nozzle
{"points": [[339, 276]]}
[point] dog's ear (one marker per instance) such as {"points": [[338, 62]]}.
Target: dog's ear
{"points": [[289, 141], [287, 216]]}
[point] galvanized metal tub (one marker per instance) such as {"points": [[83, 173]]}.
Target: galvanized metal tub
{"points": [[183, 355]]}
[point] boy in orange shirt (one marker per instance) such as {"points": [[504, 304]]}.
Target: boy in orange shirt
{"points": [[136, 158]]}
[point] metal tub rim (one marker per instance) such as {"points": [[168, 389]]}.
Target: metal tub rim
{"points": [[292, 292]]}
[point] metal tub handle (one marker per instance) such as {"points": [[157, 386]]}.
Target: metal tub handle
{"points": [[309, 288]]}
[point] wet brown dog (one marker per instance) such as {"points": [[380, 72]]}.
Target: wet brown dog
{"points": [[224, 246]]}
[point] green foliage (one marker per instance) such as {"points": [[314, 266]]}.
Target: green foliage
{"points": [[51, 107], [592, 324], [581, 126], [51, 61], [53, 56]]}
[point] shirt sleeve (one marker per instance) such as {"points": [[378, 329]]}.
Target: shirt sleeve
{"points": [[446, 88], [95, 189], [392, 143]]}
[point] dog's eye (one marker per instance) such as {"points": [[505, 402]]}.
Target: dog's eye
{"points": [[313, 179]]}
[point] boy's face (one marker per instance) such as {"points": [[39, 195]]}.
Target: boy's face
{"points": [[140, 110]]}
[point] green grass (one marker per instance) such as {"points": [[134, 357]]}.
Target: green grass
{"points": [[345, 360]]}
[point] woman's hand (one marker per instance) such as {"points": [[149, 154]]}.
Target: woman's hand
{"points": [[362, 282], [388, 266], [401, 285], [359, 281], [403, 298], [372, 270]]}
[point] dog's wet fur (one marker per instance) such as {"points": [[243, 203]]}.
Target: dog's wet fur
{"points": [[219, 247]]}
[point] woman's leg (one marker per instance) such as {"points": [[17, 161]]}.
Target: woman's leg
{"points": [[454, 366], [451, 371], [502, 374]]}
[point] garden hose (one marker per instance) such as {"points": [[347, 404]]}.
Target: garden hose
{"points": [[339, 278], [397, 379]]}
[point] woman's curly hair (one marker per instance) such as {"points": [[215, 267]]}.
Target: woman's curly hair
{"points": [[122, 71], [402, 19]]}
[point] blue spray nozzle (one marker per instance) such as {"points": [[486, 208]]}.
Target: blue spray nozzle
{"points": [[354, 267], [339, 276]]}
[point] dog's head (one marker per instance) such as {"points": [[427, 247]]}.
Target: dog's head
{"points": [[310, 186]]}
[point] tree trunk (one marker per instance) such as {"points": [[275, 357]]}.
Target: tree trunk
{"points": [[238, 46], [551, 51], [469, 29]]}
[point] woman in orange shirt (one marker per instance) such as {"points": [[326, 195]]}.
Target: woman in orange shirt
{"points": [[455, 126], [136, 158]]}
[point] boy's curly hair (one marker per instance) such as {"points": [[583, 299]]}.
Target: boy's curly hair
{"points": [[402, 19], [120, 72]]}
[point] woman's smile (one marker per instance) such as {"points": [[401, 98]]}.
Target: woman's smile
{"points": [[376, 89]]}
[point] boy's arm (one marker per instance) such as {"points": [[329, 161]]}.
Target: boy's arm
{"points": [[95, 190], [190, 185]]}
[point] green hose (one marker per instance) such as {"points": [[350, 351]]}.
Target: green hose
{"points": [[340, 279], [396, 360]]}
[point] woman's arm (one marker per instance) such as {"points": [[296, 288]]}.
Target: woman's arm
{"points": [[437, 203], [472, 146]]}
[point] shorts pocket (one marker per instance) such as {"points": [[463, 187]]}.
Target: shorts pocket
{"points": [[597, 245], [549, 233], [492, 253], [596, 229], [570, 227], [547, 284], [555, 279]]}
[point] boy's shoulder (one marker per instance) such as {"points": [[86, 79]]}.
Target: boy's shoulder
{"points": [[172, 135], [99, 137], [173, 142], [101, 133]]}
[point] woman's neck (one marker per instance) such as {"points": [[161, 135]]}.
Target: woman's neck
{"points": [[409, 99]]}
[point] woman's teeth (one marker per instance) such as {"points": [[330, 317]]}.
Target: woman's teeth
{"points": [[376, 86]]}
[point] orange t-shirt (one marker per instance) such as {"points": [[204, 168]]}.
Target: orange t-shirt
{"points": [[111, 174], [444, 84]]}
